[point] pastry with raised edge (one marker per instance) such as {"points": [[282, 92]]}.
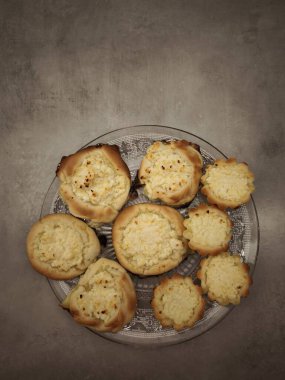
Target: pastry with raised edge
{"points": [[104, 298], [148, 239], [61, 247], [225, 278], [227, 183], [94, 183], [208, 230], [177, 302], [171, 171]]}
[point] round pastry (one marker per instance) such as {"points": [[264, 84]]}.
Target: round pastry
{"points": [[208, 230], [61, 247], [225, 278], [104, 298], [94, 183], [227, 183], [171, 171], [177, 302], [148, 238]]}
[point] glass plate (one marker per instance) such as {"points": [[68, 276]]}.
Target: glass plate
{"points": [[144, 329]]}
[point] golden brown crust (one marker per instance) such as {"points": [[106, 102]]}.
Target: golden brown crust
{"points": [[171, 172], [81, 202], [208, 229], [177, 302], [232, 187], [113, 153], [67, 163], [225, 278], [142, 237], [61, 247], [98, 312]]}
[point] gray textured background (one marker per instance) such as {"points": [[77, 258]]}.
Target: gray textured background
{"points": [[72, 70]]}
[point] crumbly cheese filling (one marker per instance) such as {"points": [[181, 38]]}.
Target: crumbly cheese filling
{"points": [[229, 182], [167, 171], [225, 279], [97, 181], [99, 297], [149, 239], [210, 230], [180, 302], [62, 247]]}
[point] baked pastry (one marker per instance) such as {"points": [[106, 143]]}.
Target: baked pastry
{"points": [[104, 298], [225, 278], [171, 171], [177, 302], [227, 183], [61, 247], [94, 183], [148, 238], [208, 230]]}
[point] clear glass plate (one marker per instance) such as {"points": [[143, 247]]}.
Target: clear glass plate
{"points": [[144, 329]]}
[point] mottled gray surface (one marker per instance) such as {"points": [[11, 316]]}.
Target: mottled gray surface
{"points": [[72, 70]]}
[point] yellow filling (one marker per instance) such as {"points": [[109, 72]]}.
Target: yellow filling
{"points": [[226, 279], [167, 171], [180, 302], [229, 182], [149, 240], [99, 296], [61, 246], [97, 181], [210, 230]]}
